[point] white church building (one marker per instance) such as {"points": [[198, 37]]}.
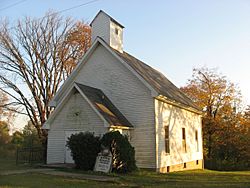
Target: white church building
{"points": [[112, 90]]}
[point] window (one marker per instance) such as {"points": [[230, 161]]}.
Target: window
{"points": [[168, 169], [197, 162], [184, 145], [185, 165], [167, 149], [116, 31], [196, 140]]}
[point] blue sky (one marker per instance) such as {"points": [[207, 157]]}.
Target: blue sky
{"points": [[172, 36]]}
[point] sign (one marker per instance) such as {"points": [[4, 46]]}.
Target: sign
{"points": [[103, 163]]}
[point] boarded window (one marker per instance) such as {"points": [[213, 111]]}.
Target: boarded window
{"points": [[184, 145], [196, 140], [167, 147], [116, 31]]}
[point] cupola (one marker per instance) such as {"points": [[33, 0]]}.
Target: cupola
{"points": [[107, 28]]}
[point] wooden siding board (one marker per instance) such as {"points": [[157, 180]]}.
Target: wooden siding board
{"points": [[55, 149], [101, 28], [66, 120], [127, 93], [177, 119]]}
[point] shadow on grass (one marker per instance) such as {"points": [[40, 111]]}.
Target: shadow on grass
{"points": [[7, 164], [140, 178]]}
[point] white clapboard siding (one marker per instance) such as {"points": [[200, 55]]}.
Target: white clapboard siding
{"points": [[116, 36], [129, 95], [56, 146], [108, 30], [176, 118], [101, 28], [66, 120]]}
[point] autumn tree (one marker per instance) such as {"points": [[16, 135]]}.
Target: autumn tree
{"points": [[4, 133], [36, 56], [17, 139], [245, 136], [220, 100], [79, 39], [5, 111]]}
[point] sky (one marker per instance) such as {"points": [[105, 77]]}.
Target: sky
{"points": [[173, 36]]}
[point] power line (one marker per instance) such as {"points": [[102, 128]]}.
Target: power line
{"points": [[77, 6], [12, 5], [64, 10], [67, 9]]}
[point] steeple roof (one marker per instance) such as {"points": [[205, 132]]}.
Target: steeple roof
{"points": [[112, 19]]}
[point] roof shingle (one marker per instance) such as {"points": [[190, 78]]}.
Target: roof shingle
{"points": [[104, 106], [157, 80]]}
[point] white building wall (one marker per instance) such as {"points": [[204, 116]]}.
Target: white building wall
{"points": [[77, 116], [116, 37], [101, 28], [176, 118], [56, 146], [129, 95], [108, 30]]}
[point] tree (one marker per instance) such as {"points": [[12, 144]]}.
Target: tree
{"points": [[36, 57], [78, 38], [5, 138], [4, 119], [219, 98], [27, 138], [4, 133], [17, 139], [30, 136], [225, 125], [3, 101], [5, 113], [245, 136]]}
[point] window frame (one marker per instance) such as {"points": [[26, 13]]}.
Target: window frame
{"points": [[116, 31], [184, 143], [166, 139], [197, 140]]}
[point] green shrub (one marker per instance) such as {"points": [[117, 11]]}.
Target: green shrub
{"points": [[226, 165], [122, 151], [84, 149]]}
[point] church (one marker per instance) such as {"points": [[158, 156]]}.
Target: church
{"points": [[112, 90]]}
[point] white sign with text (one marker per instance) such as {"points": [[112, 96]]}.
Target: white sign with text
{"points": [[103, 163]]}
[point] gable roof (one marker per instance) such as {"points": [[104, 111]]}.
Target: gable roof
{"points": [[112, 19], [70, 80], [99, 102], [157, 80], [151, 78], [104, 106]]}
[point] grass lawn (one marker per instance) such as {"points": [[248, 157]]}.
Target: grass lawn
{"points": [[10, 164], [197, 178], [139, 179]]}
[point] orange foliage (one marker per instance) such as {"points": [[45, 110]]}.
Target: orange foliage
{"points": [[78, 41], [225, 126]]}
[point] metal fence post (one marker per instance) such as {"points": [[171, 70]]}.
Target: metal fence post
{"points": [[31, 155], [17, 156]]}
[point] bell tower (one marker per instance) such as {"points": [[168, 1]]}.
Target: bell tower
{"points": [[108, 29]]}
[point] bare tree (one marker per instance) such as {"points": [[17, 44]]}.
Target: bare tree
{"points": [[36, 57]]}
